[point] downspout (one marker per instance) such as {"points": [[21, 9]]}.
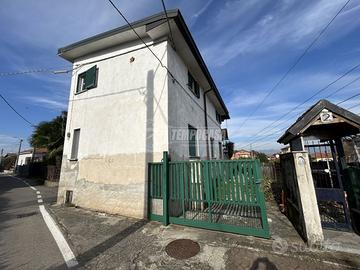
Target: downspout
{"points": [[206, 125]]}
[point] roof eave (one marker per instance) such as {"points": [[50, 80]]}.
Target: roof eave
{"points": [[176, 15]]}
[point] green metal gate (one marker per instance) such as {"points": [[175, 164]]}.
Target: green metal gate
{"points": [[222, 195]]}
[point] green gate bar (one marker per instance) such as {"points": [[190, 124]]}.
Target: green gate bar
{"points": [[223, 195]]}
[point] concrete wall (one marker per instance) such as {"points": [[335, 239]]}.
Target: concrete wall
{"points": [[123, 125], [299, 185], [187, 109]]}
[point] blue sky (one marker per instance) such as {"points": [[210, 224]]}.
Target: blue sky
{"points": [[248, 45]]}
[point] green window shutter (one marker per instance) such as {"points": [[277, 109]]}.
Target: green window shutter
{"points": [[90, 78]]}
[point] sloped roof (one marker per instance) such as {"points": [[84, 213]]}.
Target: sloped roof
{"points": [[305, 119], [113, 38]]}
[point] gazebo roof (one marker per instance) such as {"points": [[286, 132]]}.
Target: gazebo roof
{"points": [[323, 120]]}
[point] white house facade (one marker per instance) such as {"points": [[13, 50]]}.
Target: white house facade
{"points": [[26, 156], [127, 106]]}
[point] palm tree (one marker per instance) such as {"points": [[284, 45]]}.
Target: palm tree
{"points": [[50, 135]]}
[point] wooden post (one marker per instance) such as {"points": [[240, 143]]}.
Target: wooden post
{"points": [[165, 188]]}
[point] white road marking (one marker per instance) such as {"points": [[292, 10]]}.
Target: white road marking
{"points": [[25, 182], [38, 196], [65, 250]]}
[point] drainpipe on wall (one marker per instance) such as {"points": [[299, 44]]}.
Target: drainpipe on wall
{"points": [[206, 125]]}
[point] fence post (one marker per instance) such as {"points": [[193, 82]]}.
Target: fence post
{"points": [[261, 199], [165, 188]]}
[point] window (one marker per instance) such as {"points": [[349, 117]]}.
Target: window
{"points": [[192, 142], [212, 148], [87, 80], [27, 160], [193, 85], [75, 144], [220, 150], [218, 117]]}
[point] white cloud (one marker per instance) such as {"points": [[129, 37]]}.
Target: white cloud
{"points": [[292, 24], [49, 103], [10, 143]]}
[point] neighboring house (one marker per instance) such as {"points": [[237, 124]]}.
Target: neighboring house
{"points": [[319, 156], [285, 149], [26, 156], [241, 154], [125, 109]]}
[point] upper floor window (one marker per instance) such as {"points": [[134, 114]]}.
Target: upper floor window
{"points": [[218, 117], [87, 80], [193, 85]]}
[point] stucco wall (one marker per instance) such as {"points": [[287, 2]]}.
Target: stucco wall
{"points": [[123, 126], [125, 122], [187, 109]]}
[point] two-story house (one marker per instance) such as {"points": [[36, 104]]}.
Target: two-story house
{"points": [[129, 102]]}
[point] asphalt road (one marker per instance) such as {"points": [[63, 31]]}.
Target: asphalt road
{"points": [[25, 240]]}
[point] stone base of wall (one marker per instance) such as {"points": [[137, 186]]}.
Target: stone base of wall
{"points": [[111, 184]]}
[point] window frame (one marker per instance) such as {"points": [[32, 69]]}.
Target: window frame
{"points": [[73, 150], [218, 117], [193, 85], [193, 145], [82, 75]]}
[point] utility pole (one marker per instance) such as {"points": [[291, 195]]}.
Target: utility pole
{"points": [[1, 157], [18, 155]]}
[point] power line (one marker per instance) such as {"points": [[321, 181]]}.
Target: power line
{"points": [[27, 121], [352, 107], [304, 102], [168, 21], [40, 70], [341, 88], [162, 65], [295, 64], [354, 96], [136, 33]]}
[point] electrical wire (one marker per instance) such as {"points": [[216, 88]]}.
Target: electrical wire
{"points": [[162, 65], [19, 114], [168, 21], [352, 107], [30, 71], [294, 65], [304, 102], [341, 88], [354, 96]]}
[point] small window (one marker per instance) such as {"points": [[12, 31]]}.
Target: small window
{"points": [[192, 141], [87, 80], [220, 151], [193, 85], [218, 117], [27, 160], [75, 144], [212, 148]]}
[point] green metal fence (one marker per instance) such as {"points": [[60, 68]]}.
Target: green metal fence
{"points": [[218, 195]]}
